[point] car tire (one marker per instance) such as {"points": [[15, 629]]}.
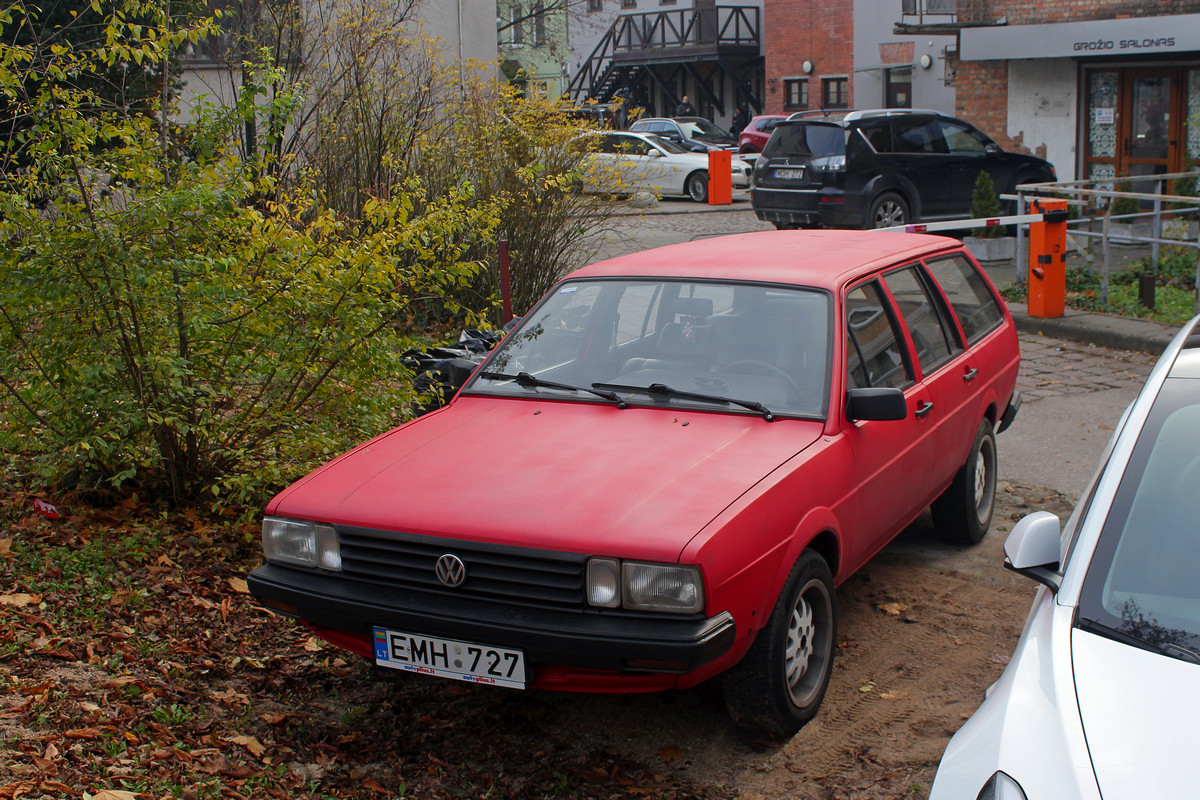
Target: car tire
{"points": [[886, 210], [778, 686], [696, 186], [963, 513]]}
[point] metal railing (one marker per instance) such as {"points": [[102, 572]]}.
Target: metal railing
{"points": [[1176, 215], [660, 33]]}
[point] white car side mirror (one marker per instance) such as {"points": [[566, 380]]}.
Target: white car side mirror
{"points": [[1034, 548]]}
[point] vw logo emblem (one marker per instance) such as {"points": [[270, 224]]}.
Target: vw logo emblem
{"points": [[450, 570]]}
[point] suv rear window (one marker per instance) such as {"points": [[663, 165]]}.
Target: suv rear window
{"points": [[817, 139]]}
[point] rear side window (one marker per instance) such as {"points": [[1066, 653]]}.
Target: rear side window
{"points": [[930, 333], [972, 301], [810, 139], [879, 137]]}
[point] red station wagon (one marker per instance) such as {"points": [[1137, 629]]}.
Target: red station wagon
{"points": [[685, 452]]}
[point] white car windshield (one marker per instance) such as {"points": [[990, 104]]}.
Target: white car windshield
{"points": [[1143, 578], [718, 346]]}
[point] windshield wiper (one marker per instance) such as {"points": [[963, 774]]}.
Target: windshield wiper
{"points": [[661, 389], [533, 381], [1172, 649]]}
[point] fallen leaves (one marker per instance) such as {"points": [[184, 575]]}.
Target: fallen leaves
{"points": [[893, 609], [20, 600], [134, 659]]}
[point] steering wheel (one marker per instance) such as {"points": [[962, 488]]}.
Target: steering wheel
{"points": [[766, 366]]}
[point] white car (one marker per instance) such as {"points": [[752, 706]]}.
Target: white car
{"points": [[623, 162], [1101, 698]]}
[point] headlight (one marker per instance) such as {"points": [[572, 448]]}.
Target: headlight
{"points": [[304, 544], [640, 586], [1001, 787]]}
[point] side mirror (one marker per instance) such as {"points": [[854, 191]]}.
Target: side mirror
{"points": [[656, 153], [1034, 547], [875, 404], [992, 149]]}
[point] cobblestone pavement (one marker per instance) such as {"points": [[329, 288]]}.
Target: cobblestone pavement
{"points": [[1056, 367]]}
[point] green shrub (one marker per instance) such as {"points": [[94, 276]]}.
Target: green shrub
{"points": [[985, 203], [166, 328]]}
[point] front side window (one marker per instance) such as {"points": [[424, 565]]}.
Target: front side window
{"points": [[962, 139], [873, 354], [713, 346]]}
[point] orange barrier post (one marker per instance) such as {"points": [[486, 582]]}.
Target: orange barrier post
{"points": [[1048, 259], [720, 177]]}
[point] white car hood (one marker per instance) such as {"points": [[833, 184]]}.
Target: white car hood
{"points": [[1139, 712]]}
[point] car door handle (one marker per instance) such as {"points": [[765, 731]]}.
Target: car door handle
{"points": [[970, 374], [925, 408]]}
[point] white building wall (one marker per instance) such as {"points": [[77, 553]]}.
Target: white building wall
{"points": [[873, 27], [1043, 109]]}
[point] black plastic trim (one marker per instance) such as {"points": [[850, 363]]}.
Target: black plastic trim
{"points": [[592, 639]]}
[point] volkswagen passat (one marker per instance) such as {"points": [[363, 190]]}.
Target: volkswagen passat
{"points": [[682, 453]]}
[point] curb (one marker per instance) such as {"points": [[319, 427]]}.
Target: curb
{"points": [[1120, 333]]}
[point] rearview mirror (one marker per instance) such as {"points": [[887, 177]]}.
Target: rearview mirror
{"points": [[875, 404]]}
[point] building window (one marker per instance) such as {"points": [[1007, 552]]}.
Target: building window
{"points": [[795, 94], [628, 3], [539, 24], [835, 92], [517, 24], [595, 5]]}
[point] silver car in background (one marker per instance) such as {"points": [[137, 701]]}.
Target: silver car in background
{"points": [[1102, 696]]}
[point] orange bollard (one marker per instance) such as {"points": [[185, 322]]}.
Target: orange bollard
{"points": [[1048, 259], [720, 177]]}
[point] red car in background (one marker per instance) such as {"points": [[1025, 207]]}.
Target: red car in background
{"points": [[683, 452], [755, 135]]}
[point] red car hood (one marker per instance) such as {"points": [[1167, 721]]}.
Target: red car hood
{"points": [[576, 477]]}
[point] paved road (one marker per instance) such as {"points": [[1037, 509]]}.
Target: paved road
{"points": [[1074, 393]]}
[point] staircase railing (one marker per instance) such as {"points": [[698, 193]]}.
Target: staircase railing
{"points": [[663, 31]]}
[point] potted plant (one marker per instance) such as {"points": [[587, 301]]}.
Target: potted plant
{"points": [[989, 243]]}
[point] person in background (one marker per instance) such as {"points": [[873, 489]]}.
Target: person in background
{"points": [[741, 118], [685, 108]]}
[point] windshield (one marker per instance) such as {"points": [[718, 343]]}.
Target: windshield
{"points": [[1143, 578], [666, 144], [809, 139], [703, 128], [734, 348]]}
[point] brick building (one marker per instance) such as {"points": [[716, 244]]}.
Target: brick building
{"points": [[1101, 88]]}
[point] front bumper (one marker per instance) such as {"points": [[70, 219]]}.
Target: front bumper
{"points": [[586, 640]]}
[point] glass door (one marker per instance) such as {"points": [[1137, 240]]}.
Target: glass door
{"points": [[1151, 138]]}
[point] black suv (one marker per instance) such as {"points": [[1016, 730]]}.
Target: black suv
{"points": [[692, 133], [875, 169]]}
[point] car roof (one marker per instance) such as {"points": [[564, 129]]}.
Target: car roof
{"points": [[818, 258], [846, 116]]}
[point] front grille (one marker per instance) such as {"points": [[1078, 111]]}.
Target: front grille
{"points": [[520, 575]]}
